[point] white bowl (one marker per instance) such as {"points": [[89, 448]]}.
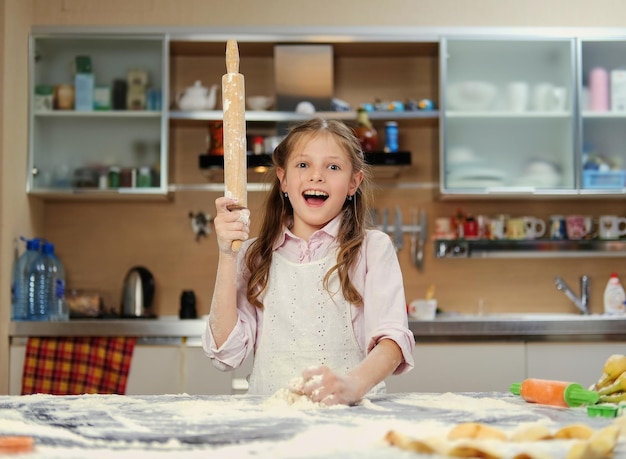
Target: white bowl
{"points": [[259, 102], [471, 95]]}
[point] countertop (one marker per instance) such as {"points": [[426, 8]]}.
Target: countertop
{"points": [[240, 426], [502, 327]]}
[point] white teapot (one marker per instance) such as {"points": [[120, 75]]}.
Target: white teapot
{"points": [[197, 97]]}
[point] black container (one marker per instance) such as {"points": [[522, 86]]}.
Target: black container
{"points": [[120, 89], [188, 305]]}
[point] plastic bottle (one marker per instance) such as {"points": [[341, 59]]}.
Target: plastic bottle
{"points": [[614, 296], [40, 284], [19, 282], [59, 309], [599, 89], [365, 132], [555, 393]]}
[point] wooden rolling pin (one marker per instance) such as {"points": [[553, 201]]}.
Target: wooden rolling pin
{"points": [[233, 103]]}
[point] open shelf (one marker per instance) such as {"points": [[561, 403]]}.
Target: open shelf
{"points": [[384, 165], [537, 248]]}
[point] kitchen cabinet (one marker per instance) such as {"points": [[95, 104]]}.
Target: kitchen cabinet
{"points": [[159, 366], [603, 115], [406, 71], [508, 116], [462, 367], [75, 151], [570, 361]]}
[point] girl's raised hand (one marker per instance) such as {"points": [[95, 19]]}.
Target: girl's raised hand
{"points": [[230, 225]]}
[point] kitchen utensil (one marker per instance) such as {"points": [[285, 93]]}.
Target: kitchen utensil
{"points": [[138, 293], [418, 238], [398, 232], [556, 393], [235, 162]]}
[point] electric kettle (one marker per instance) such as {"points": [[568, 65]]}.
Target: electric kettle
{"points": [[138, 293]]}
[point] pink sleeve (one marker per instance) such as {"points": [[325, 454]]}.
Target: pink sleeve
{"points": [[241, 341], [385, 315]]}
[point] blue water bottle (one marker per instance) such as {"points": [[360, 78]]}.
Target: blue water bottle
{"points": [[40, 284], [19, 282]]}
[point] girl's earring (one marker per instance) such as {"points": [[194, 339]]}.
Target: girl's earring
{"points": [[349, 197], [286, 195]]}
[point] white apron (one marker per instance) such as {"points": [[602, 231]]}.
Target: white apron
{"points": [[303, 326]]}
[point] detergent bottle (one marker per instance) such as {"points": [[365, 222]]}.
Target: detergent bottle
{"points": [[614, 297]]}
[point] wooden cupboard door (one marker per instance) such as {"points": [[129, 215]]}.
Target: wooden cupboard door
{"points": [[568, 361], [155, 369], [201, 377], [462, 367]]}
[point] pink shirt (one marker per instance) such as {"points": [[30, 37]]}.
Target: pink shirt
{"points": [[377, 276]]}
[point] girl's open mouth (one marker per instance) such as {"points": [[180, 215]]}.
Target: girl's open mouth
{"points": [[315, 197]]}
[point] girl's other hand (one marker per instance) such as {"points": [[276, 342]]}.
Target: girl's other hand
{"points": [[322, 385], [230, 225]]}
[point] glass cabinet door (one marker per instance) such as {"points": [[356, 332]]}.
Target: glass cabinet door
{"points": [[97, 120], [603, 116], [508, 116]]}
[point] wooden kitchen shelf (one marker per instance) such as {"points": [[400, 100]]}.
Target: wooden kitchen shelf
{"points": [[539, 248], [272, 116], [384, 165]]}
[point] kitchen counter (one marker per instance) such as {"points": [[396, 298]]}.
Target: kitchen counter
{"points": [[172, 426], [507, 327]]}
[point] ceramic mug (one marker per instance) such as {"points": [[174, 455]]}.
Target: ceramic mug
{"points": [[443, 228], [470, 229], [611, 227], [533, 227], [423, 309], [516, 228], [483, 226], [517, 93], [497, 227], [558, 229], [542, 95], [576, 226], [557, 99]]}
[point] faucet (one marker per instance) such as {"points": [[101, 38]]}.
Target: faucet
{"points": [[581, 303]]}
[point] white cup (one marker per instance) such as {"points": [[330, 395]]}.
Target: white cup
{"points": [[518, 93], [611, 227], [423, 309], [542, 95], [534, 227], [557, 99]]}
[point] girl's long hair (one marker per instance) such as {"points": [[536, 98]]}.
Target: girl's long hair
{"points": [[278, 211]]}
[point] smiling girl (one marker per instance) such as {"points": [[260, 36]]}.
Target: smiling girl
{"points": [[316, 294]]}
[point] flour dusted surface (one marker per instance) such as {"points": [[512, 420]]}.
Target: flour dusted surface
{"points": [[173, 426]]}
